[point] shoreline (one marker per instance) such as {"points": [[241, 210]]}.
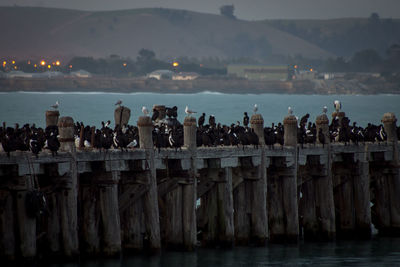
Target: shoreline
{"points": [[200, 85]]}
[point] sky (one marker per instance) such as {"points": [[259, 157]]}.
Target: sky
{"points": [[244, 9]]}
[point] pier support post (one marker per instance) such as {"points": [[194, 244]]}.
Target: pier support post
{"points": [[151, 196], [108, 196], [282, 189], [392, 173], [52, 117], [259, 216], [7, 221], [189, 190], [322, 122], [68, 197], [26, 224]]}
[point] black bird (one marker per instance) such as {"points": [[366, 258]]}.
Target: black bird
{"points": [[35, 145], [321, 137], [52, 143], [245, 120], [211, 121], [202, 119], [303, 120], [156, 113]]}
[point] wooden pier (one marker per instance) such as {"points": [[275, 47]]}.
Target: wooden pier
{"points": [[106, 202]]}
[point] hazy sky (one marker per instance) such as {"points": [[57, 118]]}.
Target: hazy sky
{"points": [[244, 9]]}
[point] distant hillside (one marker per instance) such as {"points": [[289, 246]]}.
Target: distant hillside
{"points": [[44, 32], [344, 37]]}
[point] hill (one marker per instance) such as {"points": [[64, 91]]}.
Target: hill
{"points": [[344, 37], [45, 32]]}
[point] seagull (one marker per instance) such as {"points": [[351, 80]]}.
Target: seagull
{"points": [[325, 109], [290, 111], [188, 111], [119, 102], [145, 111], [255, 109], [337, 105], [55, 106]]}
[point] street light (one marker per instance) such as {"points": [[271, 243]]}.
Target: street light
{"points": [[42, 62]]}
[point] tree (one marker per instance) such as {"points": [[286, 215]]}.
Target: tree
{"points": [[227, 11], [366, 60], [145, 55]]}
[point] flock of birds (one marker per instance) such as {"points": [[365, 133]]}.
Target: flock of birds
{"points": [[168, 133]]}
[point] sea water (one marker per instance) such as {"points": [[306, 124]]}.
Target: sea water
{"points": [[92, 108]]}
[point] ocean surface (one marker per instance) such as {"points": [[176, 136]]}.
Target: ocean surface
{"points": [[92, 108]]}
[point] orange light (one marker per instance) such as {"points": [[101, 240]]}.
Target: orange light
{"points": [[295, 66], [15, 67], [4, 63], [42, 62], [70, 66], [49, 66], [29, 62], [175, 64], [58, 63], [311, 70], [124, 64]]}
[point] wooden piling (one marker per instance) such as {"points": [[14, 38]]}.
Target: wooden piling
{"points": [[52, 117], [151, 196], [7, 221], [68, 197], [189, 189], [322, 122], [110, 213], [259, 216]]}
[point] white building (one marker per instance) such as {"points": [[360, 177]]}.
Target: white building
{"points": [[81, 74], [18, 74], [185, 76], [160, 74]]}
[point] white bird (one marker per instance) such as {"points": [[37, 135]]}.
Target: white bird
{"points": [[145, 111], [188, 111], [337, 105], [290, 111], [55, 106], [119, 102], [325, 109], [255, 109]]}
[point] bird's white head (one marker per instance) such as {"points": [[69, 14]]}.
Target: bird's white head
{"points": [[290, 110], [145, 111], [325, 109]]}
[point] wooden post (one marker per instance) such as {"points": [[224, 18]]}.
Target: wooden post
{"points": [[110, 213], [7, 221], [151, 196], [52, 117], [69, 194], [226, 235], [289, 181], [66, 130], [189, 190], [259, 216], [290, 130], [257, 123], [389, 121], [26, 224], [362, 197], [322, 122], [340, 115], [122, 115], [242, 208]]}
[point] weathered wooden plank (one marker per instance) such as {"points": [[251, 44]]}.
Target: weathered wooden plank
{"points": [[362, 198], [226, 234], [91, 217], [132, 193], [7, 221]]}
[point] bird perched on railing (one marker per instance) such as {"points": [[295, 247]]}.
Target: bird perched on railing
{"points": [[337, 105], [255, 109], [325, 109], [145, 111], [202, 119], [56, 105], [290, 111], [245, 119], [188, 111], [119, 102]]}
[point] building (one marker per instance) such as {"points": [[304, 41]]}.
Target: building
{"points": [[81, 74], [259, 72], [18, 74], [185, 76], [160, 74]]}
